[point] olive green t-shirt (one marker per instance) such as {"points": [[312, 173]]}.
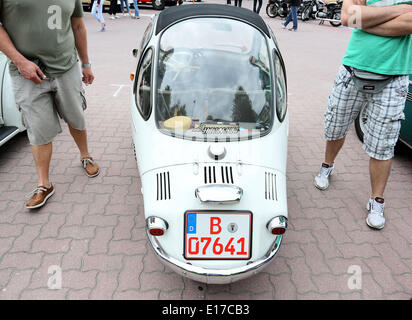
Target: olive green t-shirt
{"points": [[41, 29], [384, 55]]}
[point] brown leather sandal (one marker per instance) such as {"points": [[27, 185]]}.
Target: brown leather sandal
{"points": [[90, 167]]}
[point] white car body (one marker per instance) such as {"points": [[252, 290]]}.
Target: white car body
{"points": [[176, 173], [10, 117]]}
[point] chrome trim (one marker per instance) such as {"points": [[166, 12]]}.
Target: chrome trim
{"points": [[219, 193], [11, 135], [216, 151], [214, 276], [326, 19], [156, 223], [405, 143], [277, 222]]}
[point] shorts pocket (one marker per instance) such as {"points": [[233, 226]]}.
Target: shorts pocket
{"points": [[393, 129], [401, 90], [399, 116], [328, 122], [343, 77], [83, 99], [22, 117], [20, 88]]}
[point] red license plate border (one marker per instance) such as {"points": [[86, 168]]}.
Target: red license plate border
{"points": [[219, 212]]}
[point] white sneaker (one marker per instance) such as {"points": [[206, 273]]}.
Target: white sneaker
{"points": [[112, 18], [322, 179], [283, 26], [375, 217]]}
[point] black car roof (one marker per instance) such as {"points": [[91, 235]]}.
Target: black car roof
{"points": [[171, 15]]}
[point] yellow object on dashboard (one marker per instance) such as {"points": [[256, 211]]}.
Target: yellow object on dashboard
{"points": [[178, 123]]}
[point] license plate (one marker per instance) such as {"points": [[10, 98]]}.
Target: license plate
{"points": [[218, 235]]}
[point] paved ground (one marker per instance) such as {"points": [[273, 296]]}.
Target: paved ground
{"points": [[93, 229]]}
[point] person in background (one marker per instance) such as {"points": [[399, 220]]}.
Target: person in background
{"points": [[113, 9], [136, 10], [229, 2], [125, 10], [255, 2], [238, 3], [293, 14], [97, 12]]}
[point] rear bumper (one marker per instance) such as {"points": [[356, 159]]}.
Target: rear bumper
{"points": [[215, 276]]}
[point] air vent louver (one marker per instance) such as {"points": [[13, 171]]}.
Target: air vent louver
{"points": [[214, 174], [163, 186], [270, 186]]}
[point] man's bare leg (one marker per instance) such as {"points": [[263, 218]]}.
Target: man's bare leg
{"points": [[80, 137], [379, 174], [332, 149], [42, 156]]}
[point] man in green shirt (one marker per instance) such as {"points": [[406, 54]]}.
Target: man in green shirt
{"points": [[381, 45], [44, 39]]}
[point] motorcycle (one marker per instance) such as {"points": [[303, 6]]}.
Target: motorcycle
{"points": [[329, 12], [277, 8], [309, 9]]}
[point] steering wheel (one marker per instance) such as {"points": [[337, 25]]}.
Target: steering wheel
{"points": [[180, 60]]}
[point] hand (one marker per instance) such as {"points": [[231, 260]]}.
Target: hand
{"points": [[30, 71], [88, 76]]}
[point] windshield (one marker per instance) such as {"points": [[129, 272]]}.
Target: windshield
{"points": [[213, 80]]}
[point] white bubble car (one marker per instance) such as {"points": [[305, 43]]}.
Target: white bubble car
{"points": [[210, 129], [10, 117]]}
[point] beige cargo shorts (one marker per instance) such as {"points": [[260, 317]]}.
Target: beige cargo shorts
{"points": [[42, 104]]}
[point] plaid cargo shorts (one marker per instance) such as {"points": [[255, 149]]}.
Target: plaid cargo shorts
{"points": [[382, 116]]}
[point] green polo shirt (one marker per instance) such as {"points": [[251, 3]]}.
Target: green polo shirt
{"points": [[42, 29], [384, 55]]}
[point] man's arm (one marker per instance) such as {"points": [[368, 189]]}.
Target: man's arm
{"points": [[399, 26], [80, 38], [356, 15], [27, 69]]}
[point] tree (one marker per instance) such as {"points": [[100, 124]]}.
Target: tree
{"points": [[242, 110]]}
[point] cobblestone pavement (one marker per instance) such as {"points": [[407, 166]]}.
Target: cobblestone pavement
{"points": [[94, 228]]}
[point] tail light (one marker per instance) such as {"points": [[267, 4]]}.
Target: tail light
{"points": [[156, 232], [277, 225], [278, 231], [156, 226]]}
